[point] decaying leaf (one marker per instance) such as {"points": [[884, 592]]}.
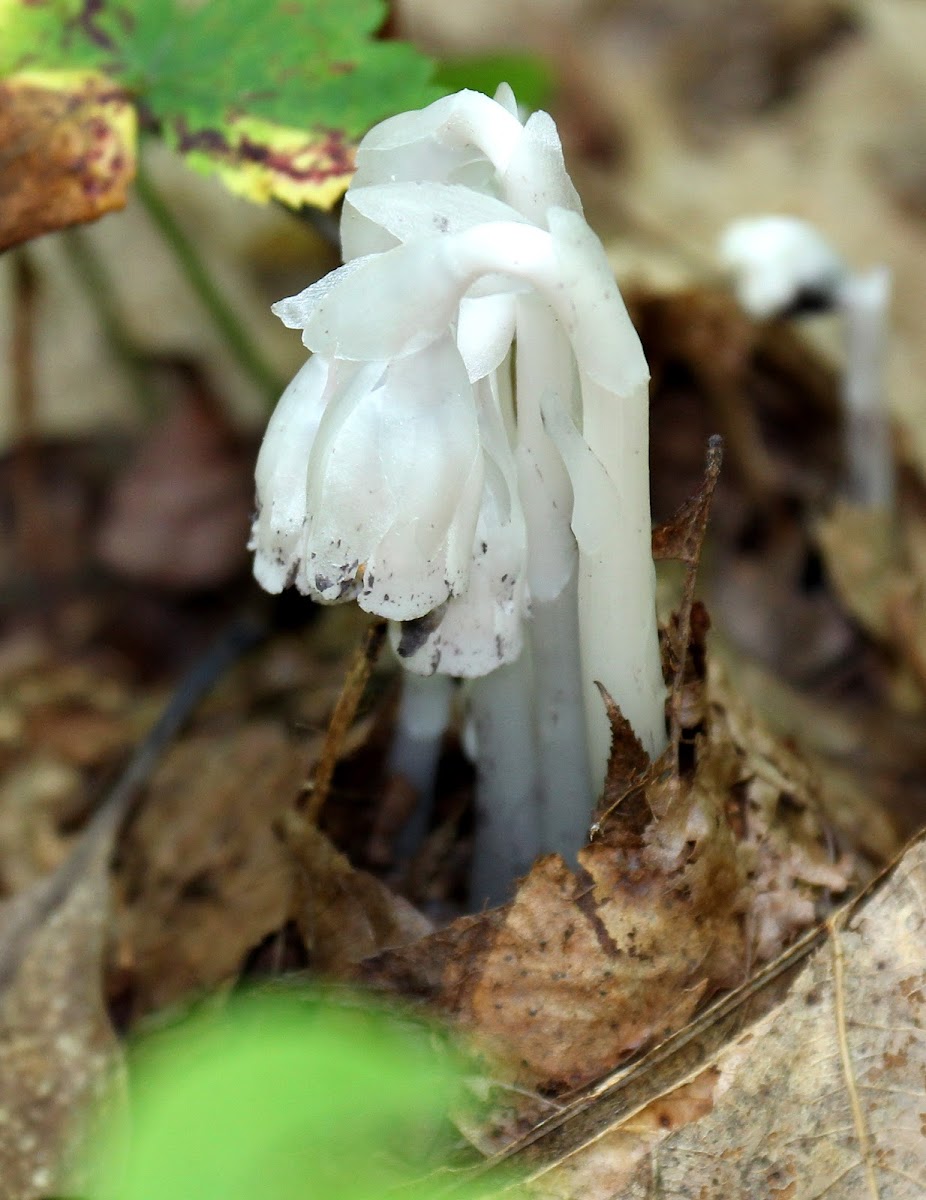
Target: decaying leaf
{"points": [[875, 560], [67, 151], [820, 1095], [63, 725], [345, 915], [693, 879], [262, 161], [682, 536]]}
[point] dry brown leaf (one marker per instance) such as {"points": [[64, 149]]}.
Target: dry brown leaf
{"points": [[693, 879], [203, 876], [63, 726], [68, 152], [346, 915], [822, 1095], [57, 1046], [874, 559]]}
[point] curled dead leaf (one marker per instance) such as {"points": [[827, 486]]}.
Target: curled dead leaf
{"points": [[696, 876]]}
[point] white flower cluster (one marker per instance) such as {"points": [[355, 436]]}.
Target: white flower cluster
{"points": [[474, 412]]}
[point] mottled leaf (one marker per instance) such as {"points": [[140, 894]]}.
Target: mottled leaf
{"points": [[271, 94], [67, 151]]}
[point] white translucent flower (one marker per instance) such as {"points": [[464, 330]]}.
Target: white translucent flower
{"points": [[369, 482], [417, 481]]}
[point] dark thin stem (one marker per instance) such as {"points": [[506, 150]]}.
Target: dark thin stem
{"points": [[224, 317], [240, 637]]}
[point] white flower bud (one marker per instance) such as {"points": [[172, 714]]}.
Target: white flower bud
{"points": [[779, 262]]}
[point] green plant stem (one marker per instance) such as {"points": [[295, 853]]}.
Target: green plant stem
{"points": [[97, 283], [225, 319]]}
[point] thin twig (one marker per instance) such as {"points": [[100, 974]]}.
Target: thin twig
{"points": [[318, 786]]}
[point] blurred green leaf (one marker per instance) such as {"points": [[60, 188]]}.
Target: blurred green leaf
{"points": [[272, 94], [282, 1098], [531, 78]]}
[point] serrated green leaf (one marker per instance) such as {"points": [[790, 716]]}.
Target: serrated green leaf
{"points": [[272, 94]]}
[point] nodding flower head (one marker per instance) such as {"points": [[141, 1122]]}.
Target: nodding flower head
{"points": [[780, 264], [447, 452]]}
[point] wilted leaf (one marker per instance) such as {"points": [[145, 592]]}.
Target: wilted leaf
{"points": [[875, 559], [271, 94], [67, 151], [682, 536], [822, 1095], [862, 561]]}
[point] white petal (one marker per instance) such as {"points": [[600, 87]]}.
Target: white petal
{"points": [[392, 491], [378, 307], [361, 236], [592, 310], [396, 303], [596, 497], [506, 98], [485, 328], [481, 628], [466, 121], [296, 311], [280, 475], [545, 367], [536, 179], [413, 210]]}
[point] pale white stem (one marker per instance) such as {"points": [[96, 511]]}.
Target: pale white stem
{"points": [[421, 721], [544, 366], [864, 302], [617, 582], [507, 838], [566, 796]]}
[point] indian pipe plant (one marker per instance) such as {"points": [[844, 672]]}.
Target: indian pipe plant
{"points": [[465, 453]]}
